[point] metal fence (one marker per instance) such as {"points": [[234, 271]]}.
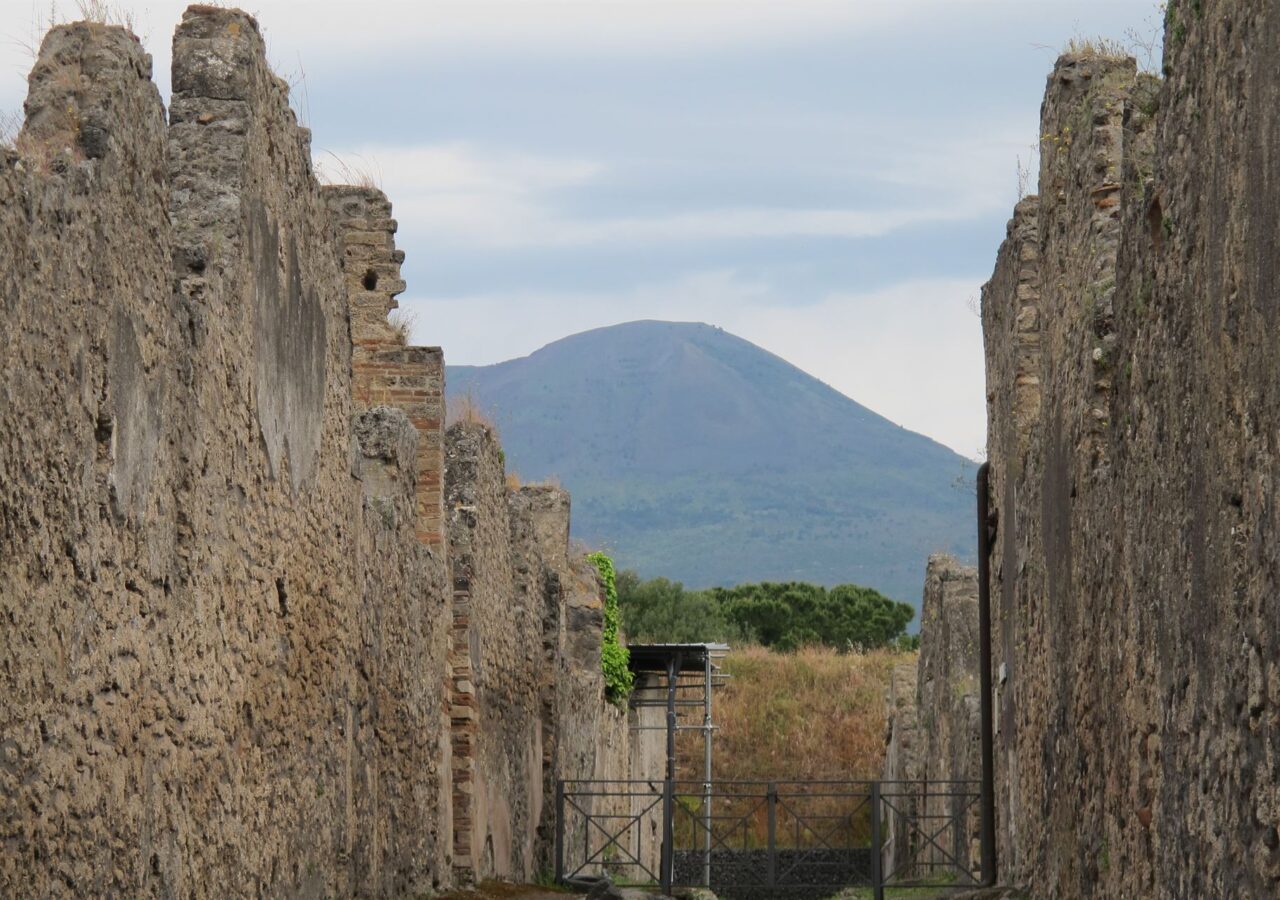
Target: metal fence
{"points": [[748, 840]]}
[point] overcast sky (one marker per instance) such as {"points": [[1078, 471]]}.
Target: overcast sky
{"points": [[827, 179]]}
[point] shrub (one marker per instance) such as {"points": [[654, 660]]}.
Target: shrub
{"points": [[614, 658]]}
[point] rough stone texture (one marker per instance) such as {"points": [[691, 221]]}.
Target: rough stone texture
{"points": [[949, 740], [528, 703], [406, 815], [584, 736], [934, 736], [227, 610], [89, 343], [497, 654], [1136, 560], [214, 648], [901, 763], [386, 371], [1050, 322]]}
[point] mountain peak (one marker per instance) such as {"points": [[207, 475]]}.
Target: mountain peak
{"points": [[697, 455]]}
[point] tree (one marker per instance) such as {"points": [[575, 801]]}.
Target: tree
{"points": [[785, 616]]}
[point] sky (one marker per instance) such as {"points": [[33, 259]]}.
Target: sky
{"points": [[830, 180]]}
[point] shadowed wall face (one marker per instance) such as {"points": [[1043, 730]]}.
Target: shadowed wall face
{"points": [[1135, 621]]}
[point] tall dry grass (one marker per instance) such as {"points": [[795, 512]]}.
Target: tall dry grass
{"points": [[814, 713], [466, 408]]}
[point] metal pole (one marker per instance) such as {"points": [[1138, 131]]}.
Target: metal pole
{"points": [[985, 535], [773, 835], [706, 776], [673, 666], [668, 836], [877, 875], [668, 788], [559, 830]]}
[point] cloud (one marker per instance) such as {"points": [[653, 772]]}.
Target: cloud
{"points": [[334, 34], [577, 27], [461, 195], [912, 351]]}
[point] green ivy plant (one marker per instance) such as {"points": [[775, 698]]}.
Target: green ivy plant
{"points": [[614, 658]]}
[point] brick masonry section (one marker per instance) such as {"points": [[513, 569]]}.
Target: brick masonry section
{"points": [[385, 370]]}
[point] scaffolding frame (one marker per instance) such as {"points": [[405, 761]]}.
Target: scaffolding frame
{"points": [[691, 673]]}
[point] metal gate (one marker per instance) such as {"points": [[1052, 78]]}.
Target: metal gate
{"points": [[747, 840]]}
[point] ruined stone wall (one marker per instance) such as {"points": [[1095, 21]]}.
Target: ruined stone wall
{"points": [[497, 656], [933, 737], [583, 735], [385, 369], [901, 764], [528, 706], [1134, 567], [406, 815], [948, 743], [213, 657], [230, 656]]}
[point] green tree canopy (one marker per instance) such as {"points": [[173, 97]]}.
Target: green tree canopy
{"points": [[784, 616]]}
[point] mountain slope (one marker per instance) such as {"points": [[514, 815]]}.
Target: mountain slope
{"points": [[696, 455]]}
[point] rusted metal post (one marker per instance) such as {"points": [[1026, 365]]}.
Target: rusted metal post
{"points": [[773, 835], [559, 830], [877, 845], [667, 876], [668, 789], [706, 772]]}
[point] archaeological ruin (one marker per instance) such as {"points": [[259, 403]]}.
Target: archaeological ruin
{"points": [[1133, 404], [269, 628]]}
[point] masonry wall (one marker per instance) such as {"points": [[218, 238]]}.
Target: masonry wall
{"points": [[496, 657], [207, 676], [240, 652], [407, 821], [1133, 568], [901, 764], [385, 369], [528, 706], [584, 735], [933, 737], [948, 701]]}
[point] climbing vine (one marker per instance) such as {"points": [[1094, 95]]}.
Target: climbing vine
{"points": [[614, 657]]}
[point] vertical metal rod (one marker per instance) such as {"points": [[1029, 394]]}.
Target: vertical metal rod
{"points": [[988, 840], [668, 835], [773, 835], [877, 875], [668, 789], [706, 774], [559, 830], [673, 667]]}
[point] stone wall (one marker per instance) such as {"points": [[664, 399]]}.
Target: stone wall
{"points": [[527, 694], [1134, 566], [497, 645], [901, 764], [934, 738], [407, 820], [583, 737], [227, 599], [207, 680], [386, 370], [948, 744]]}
